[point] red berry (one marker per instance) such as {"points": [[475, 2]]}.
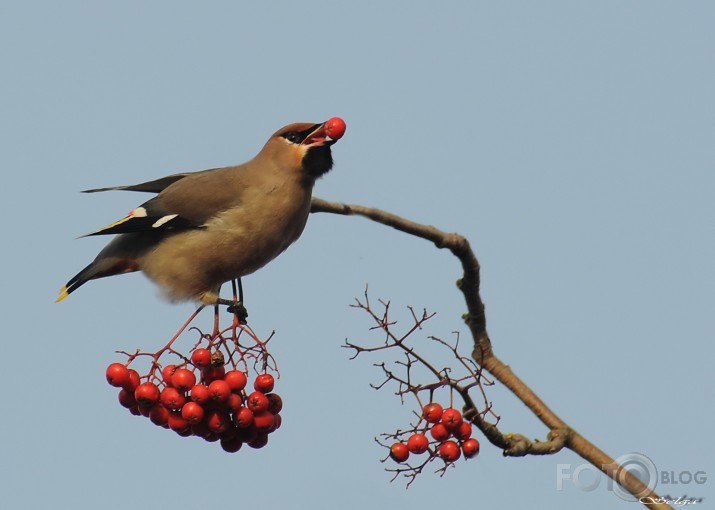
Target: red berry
{"points": [[231, 445], [417, 443], [212, 373], [177, 422], [172, 399], [277, 420], [234, 402], [399, 452], [159, 415], [260, 441], [464, 431], [147, 394], [117, 375], [263, 421], [183, 379], [264, 383], [219, 390], [236, 380], [432, 412], [167, 372], [229, 433], [275, 403], [244, 418], [470, 448], [247, 434], [218, 421], [126, 399], [335, 128], [439, 432], [134, 381], [200, 394], [192, 412], [449, 451], [257, 402], [201, 358], [200, 429], [452, 419]]}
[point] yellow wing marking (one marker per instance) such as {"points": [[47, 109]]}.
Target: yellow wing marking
{"points": [[108, 227]]}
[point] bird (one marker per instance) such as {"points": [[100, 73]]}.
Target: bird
{"points": [[205, 228]]}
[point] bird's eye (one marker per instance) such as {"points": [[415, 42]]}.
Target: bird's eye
{"points": [[292, 136]]}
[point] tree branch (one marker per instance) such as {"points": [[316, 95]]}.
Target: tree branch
{"points": [[560, 434]]}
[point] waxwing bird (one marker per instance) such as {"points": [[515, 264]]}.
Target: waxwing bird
{"points": [[205, 228]]}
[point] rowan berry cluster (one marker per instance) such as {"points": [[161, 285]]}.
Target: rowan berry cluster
{"points": [[203, 395], [441, 424], [438, 433]]}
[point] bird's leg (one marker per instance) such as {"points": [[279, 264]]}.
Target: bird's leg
{"points": [[237, 287], [216, 321], [235, 306], [216, 327], [240, 314]]}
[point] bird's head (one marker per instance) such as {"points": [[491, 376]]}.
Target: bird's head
{"points": [[305, 146]]}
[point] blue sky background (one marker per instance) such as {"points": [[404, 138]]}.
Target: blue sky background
{"points": [[572, 142]]}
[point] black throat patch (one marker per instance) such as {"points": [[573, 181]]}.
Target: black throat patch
{"points": [[318, 161]]}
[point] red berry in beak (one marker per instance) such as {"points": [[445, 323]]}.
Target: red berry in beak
{"points": [[335, 128]]}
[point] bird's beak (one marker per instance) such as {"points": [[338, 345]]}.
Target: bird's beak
{"points": [[317, 136]]}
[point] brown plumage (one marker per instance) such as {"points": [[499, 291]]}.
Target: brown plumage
{"points": [[206, 228]]}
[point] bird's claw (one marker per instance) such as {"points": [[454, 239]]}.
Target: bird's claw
{"points": [[237, 308]]}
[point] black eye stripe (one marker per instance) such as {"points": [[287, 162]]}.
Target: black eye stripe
{"points": [[293, 136], [299, 136]]}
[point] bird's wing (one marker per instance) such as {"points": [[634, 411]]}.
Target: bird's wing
{"points": [[155, 186], [150, 215], [187, 202]]}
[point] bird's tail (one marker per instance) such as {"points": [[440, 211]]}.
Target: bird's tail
{"points": [[121, 255], [64, 292], [98, 269], [87, 274]]}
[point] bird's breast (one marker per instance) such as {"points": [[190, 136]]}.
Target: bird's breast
{"points": [[256, 232]]}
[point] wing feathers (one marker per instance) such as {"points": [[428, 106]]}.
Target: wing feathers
{"points": [[131, 224], [184, 201], [155, 186]]}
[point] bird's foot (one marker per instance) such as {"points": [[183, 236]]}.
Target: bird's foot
{"points": [[236, 308]]}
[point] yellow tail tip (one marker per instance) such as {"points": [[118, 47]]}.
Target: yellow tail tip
{"points": [[63, 294]]}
